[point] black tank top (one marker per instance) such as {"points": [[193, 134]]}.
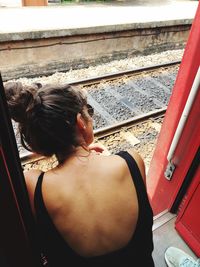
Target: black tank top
{"points": [[138, 251]]}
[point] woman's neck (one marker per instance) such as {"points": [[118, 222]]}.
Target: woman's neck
{"points": [[81, 151]]}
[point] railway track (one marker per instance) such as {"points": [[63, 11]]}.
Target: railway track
{"points": [[124, 99], [119, 74]]}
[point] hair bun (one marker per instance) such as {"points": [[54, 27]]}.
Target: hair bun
{"points": [[19, 99]]}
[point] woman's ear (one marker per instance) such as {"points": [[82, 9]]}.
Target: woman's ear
{"points": [[81, 122]]}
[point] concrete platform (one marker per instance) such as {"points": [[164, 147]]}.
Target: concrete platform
{"points": [[40, 40], [19, 23]]}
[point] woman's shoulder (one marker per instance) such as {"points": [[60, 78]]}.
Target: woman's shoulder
{"points": [[120, 164], [31, 176], [111, 162]]}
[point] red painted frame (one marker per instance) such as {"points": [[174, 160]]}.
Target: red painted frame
{"points": [[188, 220], [162, 192]]}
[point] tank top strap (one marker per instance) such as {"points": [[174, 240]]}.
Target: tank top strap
{"points": [[38, 200], [136, 175]]}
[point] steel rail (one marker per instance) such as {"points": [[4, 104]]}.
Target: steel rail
{"points": [[105, 131], [29, 157], [116, 75]]}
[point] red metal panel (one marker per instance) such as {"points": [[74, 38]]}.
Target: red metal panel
{"points": [[188, 221], [161, 191], [14, 241]]}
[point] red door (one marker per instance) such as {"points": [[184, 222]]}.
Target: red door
{"points": [[180, 191], [164, 192], [188, 220]]}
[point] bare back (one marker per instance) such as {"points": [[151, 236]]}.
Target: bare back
{"points": [[92, 202]]}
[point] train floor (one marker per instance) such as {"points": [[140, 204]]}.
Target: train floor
{"points": [[164, 236]]}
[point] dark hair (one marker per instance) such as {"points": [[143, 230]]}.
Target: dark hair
{"points": [[46, 116]]}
